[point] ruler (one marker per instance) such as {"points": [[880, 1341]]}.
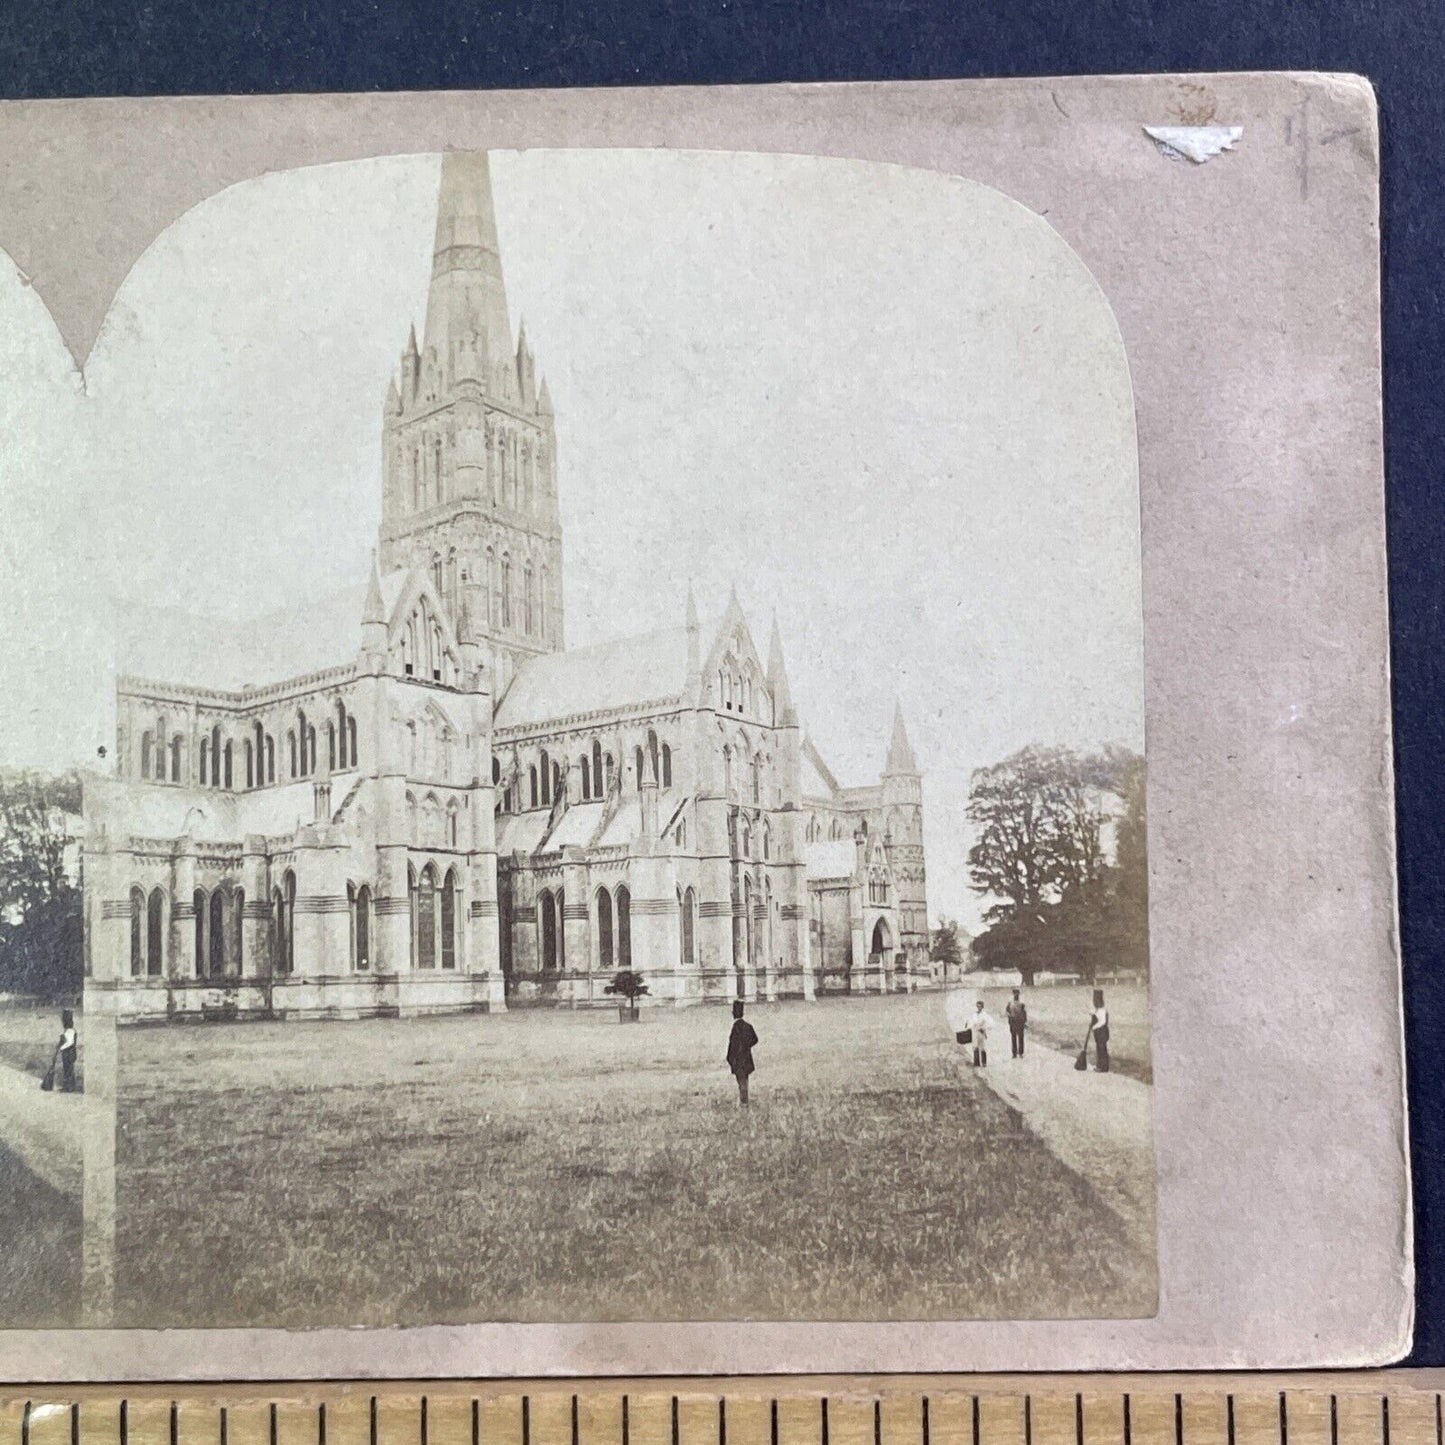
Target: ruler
{"points": [[1366, 1408]]}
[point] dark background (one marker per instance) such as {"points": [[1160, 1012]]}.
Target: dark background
{"points": [[61, 48]]}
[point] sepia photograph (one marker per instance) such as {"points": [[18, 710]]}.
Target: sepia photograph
{"points": [[600, 770]]}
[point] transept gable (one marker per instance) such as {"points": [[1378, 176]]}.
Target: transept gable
{"points": [[734, 678], [420, 636]]}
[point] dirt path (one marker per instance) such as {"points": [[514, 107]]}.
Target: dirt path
{"points": [[43, 1131], [1100, 1125]]}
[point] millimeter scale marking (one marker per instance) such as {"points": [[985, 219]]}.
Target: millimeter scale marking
{"points": [[1367, 1408]]}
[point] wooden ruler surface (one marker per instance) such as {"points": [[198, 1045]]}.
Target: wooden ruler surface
{"points": [[1365, 1408]]}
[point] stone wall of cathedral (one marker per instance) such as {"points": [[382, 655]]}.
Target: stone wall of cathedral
{"points": [[367, 887]]}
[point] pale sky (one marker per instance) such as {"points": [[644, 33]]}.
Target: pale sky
{"points": [[889, 405]]}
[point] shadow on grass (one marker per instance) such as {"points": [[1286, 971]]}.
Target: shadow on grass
{"points": [[40, 1265]]}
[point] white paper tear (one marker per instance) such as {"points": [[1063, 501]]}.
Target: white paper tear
{"points": [[1198, 143]]}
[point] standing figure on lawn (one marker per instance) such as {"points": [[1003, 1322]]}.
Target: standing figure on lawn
{"points": [[741, 1043], [1099, 1032], [1018, 1017]]}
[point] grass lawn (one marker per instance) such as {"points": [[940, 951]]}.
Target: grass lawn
{"points": [[562, 1166], [1059, 1018]]}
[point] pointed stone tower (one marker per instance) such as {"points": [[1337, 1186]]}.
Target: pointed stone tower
{"points": [[469, 443], [793, 962], [902, 800]]}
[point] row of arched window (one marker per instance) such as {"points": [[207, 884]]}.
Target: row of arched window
{"points": [[515, 470], [596, 769], [218, 938], [514, 600], [147, 932], [435, 918], [614, 928], [436, 922], [750, 838], [431, 824], [431, 747], [833, 830], [218, 941], [660, 759], [162, 752], [428, 476], [745, 770], [550, 920], [544, 782], [753, 935], [737, 692], [424, 651]]}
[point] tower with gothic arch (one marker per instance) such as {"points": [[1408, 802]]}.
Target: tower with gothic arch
{"points": [[469, 447]]}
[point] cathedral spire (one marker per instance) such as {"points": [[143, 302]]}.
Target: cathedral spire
{"points": [[900, 751], [467, 296], [778, 678]]}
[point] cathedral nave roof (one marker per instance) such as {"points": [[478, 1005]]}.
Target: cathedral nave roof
{"points": [[171, 645], [606, 677], [831, 858]]}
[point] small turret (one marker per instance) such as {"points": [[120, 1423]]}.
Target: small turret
{"points": [[544, 399], [410, 368], [467, 641], [526, 368], [373, 619], [647, 793], [694, 646], [393, 399]]}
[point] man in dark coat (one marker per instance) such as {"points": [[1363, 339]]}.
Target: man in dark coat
{"points": [[1018, 1019], [740, 1050]]}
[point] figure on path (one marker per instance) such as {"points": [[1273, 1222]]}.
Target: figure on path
{"points": [[1099, 1032], [66, 1049], [741, 1043], [1018, 1017], [982, 1026]]}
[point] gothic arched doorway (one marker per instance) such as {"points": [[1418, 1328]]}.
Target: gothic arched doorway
{"points": [[882, 944]]}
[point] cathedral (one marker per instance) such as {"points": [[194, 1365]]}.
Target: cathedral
{"points": [[411, 797]]}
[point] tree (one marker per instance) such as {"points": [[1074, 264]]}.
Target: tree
{"points": [[946, 948], [1043, 820], [41, 944], [628, 987], [1131, 875]]}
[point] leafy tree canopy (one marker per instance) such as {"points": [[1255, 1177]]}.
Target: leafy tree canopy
{"points": [[41, 946], [1060, 848]]}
